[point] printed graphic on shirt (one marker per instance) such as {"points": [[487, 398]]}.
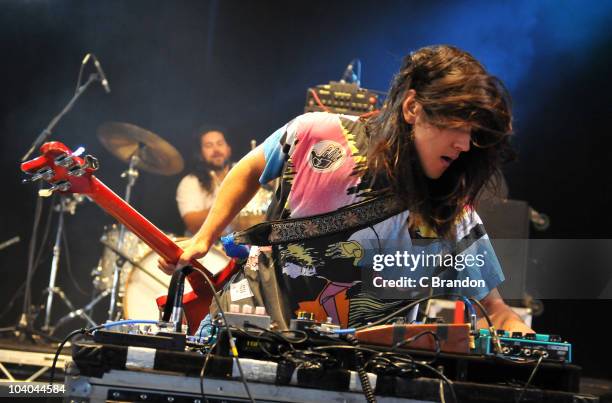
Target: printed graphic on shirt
{"points": [[326, 156], [299, 260], [346, 250]]}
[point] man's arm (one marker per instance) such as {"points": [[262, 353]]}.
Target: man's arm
{"points": [[502, 316], [238, 187], [194, 220]]}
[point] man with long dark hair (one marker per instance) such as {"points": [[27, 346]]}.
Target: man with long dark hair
{"points": [[443, 132], [196, 192]]}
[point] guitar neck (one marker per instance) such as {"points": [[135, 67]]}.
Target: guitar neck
{"points": [[144, 229]]}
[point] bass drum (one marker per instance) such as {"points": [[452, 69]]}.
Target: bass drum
{"points": [[145, 283]]}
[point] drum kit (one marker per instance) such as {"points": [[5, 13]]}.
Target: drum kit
{"points": [[127, 270]]}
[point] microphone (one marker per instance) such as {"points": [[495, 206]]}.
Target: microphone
{"points": [[103, 79], [8, 243]]}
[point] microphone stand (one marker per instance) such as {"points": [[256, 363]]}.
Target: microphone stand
{"points": [[47, 130], [24, 328]]}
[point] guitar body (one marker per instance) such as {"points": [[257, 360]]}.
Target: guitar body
{"points": [[73, 174]]}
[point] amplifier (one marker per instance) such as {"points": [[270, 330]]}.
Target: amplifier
{"points": [[344, 98]]}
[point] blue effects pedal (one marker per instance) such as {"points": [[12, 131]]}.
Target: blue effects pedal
{"points": [[517, 345]]}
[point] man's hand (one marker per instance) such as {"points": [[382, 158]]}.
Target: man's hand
{"points": [[192, 249], [238, 187], [502, 316]]}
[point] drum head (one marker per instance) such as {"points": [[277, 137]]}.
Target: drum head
{"points": [[146, 283]]}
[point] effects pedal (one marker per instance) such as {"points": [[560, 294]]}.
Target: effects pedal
{"points": [[517, 345]]}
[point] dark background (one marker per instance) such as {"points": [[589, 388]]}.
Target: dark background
{"points": [[175, 65]]}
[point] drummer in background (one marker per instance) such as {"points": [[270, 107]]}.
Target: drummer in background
{"points": [[197, 191]]}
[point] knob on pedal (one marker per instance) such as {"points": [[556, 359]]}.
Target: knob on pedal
{"points": [[304, 315]]}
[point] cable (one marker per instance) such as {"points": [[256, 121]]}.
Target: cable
{"points": [[61, 346], [469, 306], [366, 386], [203, 370], [318, 100], [418, 336], [344, 331], [279, 334], [127, 322], [377, 239], [442, 376], [441, 392], [533, 372], [59, 350], [229, 332], [298, 341], [410, 361], [90, 331], [309, 359]]}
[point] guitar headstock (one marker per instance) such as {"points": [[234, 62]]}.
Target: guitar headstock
{"points": [[65, 170]]}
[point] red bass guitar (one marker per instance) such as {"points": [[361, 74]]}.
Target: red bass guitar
{"points": [[68, 173]]}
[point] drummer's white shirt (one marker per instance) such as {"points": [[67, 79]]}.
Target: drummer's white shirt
{"points": [[192, 197]]}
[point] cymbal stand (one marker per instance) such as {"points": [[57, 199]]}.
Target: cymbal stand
{"points": [[81, 312], [66, 204], [131, 174]]}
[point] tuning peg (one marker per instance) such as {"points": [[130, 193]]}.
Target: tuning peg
{"points": [[44, 173], [45, 193], [90, 163], [64, 160], [62, 186], [77, 170]]}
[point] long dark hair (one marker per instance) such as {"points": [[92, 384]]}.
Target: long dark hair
{"points": [[453, 88], [200, 168]]}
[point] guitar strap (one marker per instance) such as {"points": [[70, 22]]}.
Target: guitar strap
{"points": [[350, 218]]}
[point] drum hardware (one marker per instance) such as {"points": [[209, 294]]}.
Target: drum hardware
{"points": [[131, 174], [67, 204], [82, 312], [142, 149]]}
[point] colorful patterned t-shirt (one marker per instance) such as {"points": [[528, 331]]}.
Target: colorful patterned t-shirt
{"points": [[321, 161]]}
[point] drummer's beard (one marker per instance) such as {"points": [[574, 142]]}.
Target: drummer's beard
{"points": [[218, 168], [216, 162]]}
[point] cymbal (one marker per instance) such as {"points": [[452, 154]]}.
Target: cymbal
{"points": [[155, 154]]}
